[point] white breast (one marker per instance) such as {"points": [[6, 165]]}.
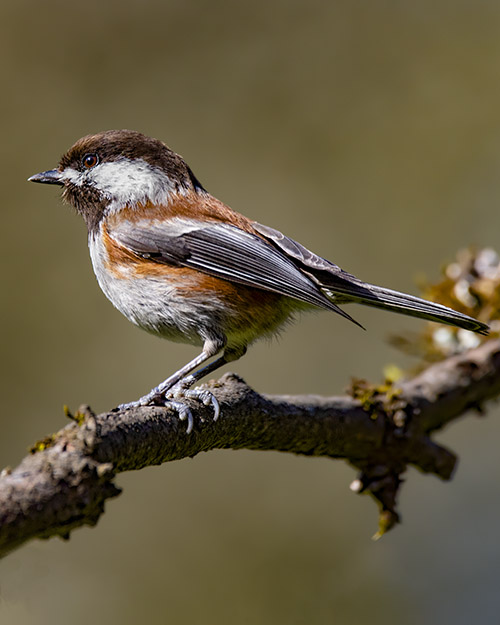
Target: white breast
{"points": [[153, 304]]}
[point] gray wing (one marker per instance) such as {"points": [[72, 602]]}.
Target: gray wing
{"points": [[224, 251], [316, 265], [343, 287]]}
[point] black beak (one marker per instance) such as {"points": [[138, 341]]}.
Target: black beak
{"points": [[53, 176]]}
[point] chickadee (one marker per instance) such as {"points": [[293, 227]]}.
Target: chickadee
{"points": [[180, 264]]}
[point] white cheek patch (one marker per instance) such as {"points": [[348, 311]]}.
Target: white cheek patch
{"points": [[125, 182], [130, 181]]}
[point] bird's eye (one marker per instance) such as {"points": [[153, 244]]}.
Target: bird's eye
{"points": [[90, 160]]}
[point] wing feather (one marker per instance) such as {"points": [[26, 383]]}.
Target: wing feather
{"points": [[224, 251], [344, 287]]}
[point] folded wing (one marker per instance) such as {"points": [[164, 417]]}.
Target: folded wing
{"points": [[224, 251]]}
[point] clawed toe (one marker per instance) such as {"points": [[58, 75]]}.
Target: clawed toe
{"points": [[204, 396], [183, 413], [173, 399]]}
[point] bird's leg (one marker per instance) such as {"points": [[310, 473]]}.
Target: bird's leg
{"points": [[182, 388], [210, 348], [178, 386], [229, 355]]}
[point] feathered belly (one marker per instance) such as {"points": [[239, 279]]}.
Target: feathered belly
{"points": [[183, 304]]}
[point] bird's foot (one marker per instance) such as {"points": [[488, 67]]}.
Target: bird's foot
{"points": [[173, 396]]}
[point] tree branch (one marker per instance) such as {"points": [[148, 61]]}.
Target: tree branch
{"points": [[64, 483]]}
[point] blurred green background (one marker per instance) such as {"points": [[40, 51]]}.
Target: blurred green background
{"points": [[368, 130]]}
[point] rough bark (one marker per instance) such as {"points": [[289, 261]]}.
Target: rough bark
{"points": [[65, 482]]}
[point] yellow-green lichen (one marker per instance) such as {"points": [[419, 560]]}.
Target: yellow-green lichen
{"points": [[373, 397], [386, 521], [471, 285], [43, 444], [79, 417]]}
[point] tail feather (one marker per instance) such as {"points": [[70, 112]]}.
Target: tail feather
{"points": [[379, 297], [342, 287]]}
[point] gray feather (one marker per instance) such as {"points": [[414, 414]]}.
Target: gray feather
{"points": [[227, 252], [342, 287]]}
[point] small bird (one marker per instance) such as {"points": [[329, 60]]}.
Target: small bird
{"points": [[182, 265]]}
